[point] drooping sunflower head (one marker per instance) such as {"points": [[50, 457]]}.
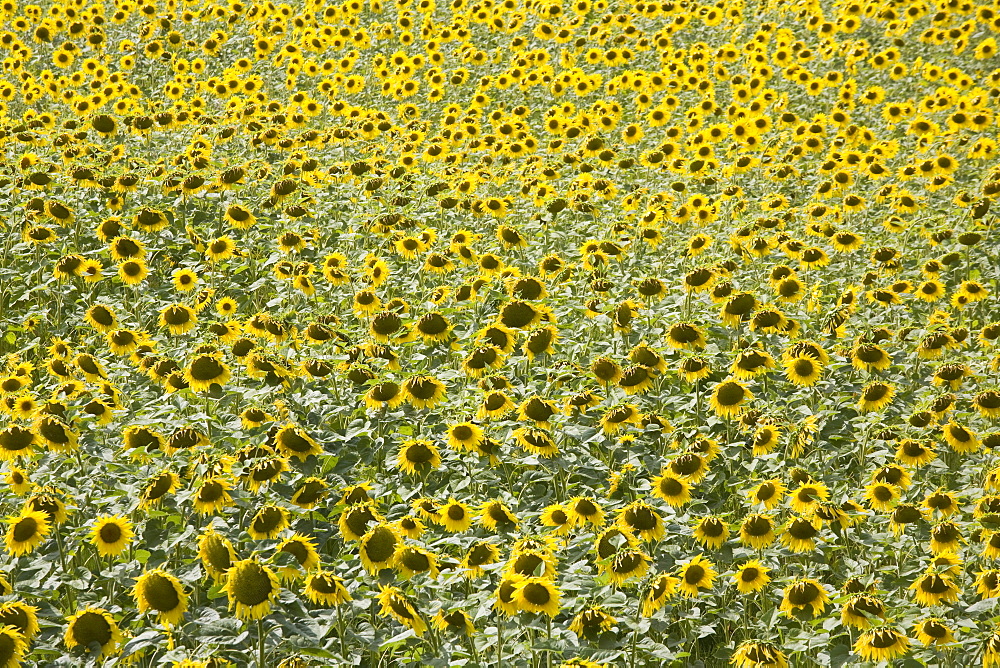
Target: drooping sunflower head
{"points": [[216, 553], [251, 588], [160, 592], [93, 625]]}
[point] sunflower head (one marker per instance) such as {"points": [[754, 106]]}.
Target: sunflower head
{"points": [[251, 588], [93, 627], [160, 592]]}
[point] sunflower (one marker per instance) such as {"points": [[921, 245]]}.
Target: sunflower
{"points": [[292, 441], [185, 280], [686, 336], [378, 547], [805, 497], [695, 575], [212, 495], [482, 360], [325, 588], [875, 396], [881, 644], [913, 452], [946, 536], [537, 594], [751, 363], [93, 625], [537, 410], [757, 531], [933, 631], [673, 489], [991, 651], [536, 441], [711, 532], [268, 522], [757, 654], [591, 623], [411, 560], [765, 439], [642, 519], [309, 493], [455, 516], [961, 439], [627, 563], [987, 403], [157, 488], [161, 592], [457, 621], [220, 249], [988, 583], [303, 550], [804, 593], [860, 610], [16, 441], [251, 588], [495, 405], [661, 588], [751, 576], [58, 435], [26, 531], [933, 588], [111, 535], [737, 308], [424, 391], [18, 481], [216, 553], [418, 456], [728, 396], [882, 496], [132, 272], [464, 436], [20, 617], [558, 517], [479, 554], [800, 534], [395, 604], [178, 318], [768, 493], [206, 370], [102, 318], [803, 371], [495, 516], [384, 394]]}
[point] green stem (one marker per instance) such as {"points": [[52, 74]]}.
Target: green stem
{"points": [[635, 633], [340, 632], [260, 646]]}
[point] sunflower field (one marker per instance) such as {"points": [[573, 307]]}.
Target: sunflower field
{"points": [[529, 333]]}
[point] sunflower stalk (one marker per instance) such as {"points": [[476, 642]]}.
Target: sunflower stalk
{"points": [[70, 593], [260, 645], [633, 659]]}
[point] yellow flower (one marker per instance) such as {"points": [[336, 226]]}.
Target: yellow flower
{"points": [[395, 604], [805, 593], [93, 625], [325, 588], [216, 553], [696, 575], [111, 535], [751, 576], [26, 531], [161, 592], [251, 588], [537, 594]]}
